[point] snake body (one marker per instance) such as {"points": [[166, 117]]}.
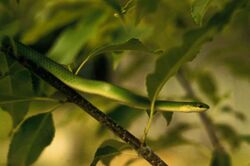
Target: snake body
{"points": [[101, 88]]}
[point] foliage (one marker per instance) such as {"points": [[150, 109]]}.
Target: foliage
{"points": [[123, 41]]}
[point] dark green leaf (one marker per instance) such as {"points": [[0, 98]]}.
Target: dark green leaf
{"points": [[239, 115], [169, 63], [115, 4], [220, 158], [173, 137], [144, 7], [227, 109], [229, 134], [70, 42], [245, 138], [131, 44], [107, 151], [19, 83], [34, 134], [208, 86], [168, 116], [124, 115], [198, 10]]}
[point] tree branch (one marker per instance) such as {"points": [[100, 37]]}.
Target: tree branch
{"points": [[145, 151], [207, 122]]}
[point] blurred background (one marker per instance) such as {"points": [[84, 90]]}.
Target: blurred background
{"points": [[68, 30]]}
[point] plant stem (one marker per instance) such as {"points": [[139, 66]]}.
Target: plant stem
{"points": [[207, 122], [145, 151]]}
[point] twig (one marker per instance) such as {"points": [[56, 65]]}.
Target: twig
{"points": [[145, 151], [207, 122]]}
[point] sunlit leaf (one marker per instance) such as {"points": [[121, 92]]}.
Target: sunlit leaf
{"points": [[220, 158], [33, 136], [5, 124], [208, 86], [70, 11], [73, 39], [198, 10], [107, 151]]}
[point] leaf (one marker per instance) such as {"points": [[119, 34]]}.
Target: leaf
{"points": [[198, 10], [33, 136], [19, 83], [124, 115], [144, 7], [168, 116], [220, 158], [172, 137], [5, 124], [71, 41], [115, 4], [229, 134], [132, 44], [107, 151], [245, 138], [239, 115], [168, 64], [207, 85]]}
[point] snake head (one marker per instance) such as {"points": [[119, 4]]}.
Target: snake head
{"points": [[201, 106]]}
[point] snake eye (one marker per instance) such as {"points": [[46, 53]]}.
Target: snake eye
{"points": [[200, 105]]}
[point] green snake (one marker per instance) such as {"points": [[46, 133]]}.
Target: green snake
{"points": [[101, 88]]}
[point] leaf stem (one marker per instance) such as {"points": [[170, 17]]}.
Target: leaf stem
{"points": [[28, 99]]}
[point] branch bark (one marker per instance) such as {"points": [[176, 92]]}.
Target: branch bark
{"points": [[145, 151]]}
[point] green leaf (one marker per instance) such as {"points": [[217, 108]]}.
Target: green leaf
{"points": [[144, 7], [245, 138], [5, 124], [172, 137], [115, 4], [33, 136], [19, 83], [107, 151], [220, 158], [168, 116], [132, 44], [239, 115], [168, 64], [124, 115], [71, 41], [208, 86], [198, 10], [229, 134]]}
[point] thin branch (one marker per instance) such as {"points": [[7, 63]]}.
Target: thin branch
{"points": [[145, 151], [207, 122]]}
